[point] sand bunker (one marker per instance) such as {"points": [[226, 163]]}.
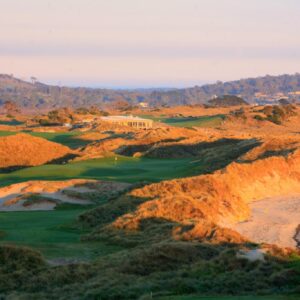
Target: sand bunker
{"points": [[45, 195], [273, 220]]}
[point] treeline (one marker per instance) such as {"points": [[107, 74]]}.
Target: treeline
{"points": [[43, 96]]}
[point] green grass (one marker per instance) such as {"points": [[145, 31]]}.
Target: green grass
{"points": [[7, 133], [126, 169], [47, 231], [65, 138], [11, 122], [231, 298], [51, 233], [203, 121]]}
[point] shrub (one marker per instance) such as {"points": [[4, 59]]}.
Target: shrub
{"points": [[259, 118]]}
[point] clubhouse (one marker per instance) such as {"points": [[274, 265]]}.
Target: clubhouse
{"points": [[130, 121]]}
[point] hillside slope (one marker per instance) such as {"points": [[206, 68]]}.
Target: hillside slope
{"points": [[24, 150], [38, 95], [202, 207]]}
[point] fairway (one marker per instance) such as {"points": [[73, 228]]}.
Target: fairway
{"points": [[202, 121], [126, 169], [272, 297], [51, 233]]}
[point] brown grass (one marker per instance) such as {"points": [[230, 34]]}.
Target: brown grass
{"points": [[25, 150]]}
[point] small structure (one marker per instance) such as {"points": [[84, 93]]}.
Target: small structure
{"points": [[131, 121], [143, 104]]}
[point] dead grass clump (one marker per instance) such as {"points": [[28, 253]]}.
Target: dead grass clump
{"points": [[166, 257]]}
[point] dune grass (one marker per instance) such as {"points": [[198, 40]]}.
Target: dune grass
{"points": [[210, 157], [117, 276], [65, 138], [48, 231]]}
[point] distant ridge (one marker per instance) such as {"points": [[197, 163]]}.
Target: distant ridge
{"points": [[226, 101], [37, 95]]}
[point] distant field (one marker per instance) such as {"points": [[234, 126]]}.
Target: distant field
{"points": [[11, 122], [51, 233], [203, 121], [126, 169], [65, 138]]}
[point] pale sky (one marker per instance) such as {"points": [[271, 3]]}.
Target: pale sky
{"points": [[148, 43]]}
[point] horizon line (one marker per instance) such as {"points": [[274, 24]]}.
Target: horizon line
{"points": [[130, 87]]}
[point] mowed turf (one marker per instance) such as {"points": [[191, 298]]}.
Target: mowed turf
{"points": [[51, 233], [119, 168], [202, 121], [231, 298]]}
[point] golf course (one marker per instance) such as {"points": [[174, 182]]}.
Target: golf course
{"points": [[202, 121]]}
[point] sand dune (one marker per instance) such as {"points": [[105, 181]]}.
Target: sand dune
{"points": [[273, 220]]}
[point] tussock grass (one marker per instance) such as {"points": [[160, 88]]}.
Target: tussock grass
{"points": [[169, 268]]}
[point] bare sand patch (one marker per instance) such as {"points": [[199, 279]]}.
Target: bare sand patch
{"points": [[51, 193], [273, 220]]}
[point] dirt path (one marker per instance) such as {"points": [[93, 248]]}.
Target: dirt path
{"points": [[273, 220]]}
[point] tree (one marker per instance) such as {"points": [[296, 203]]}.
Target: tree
{"points": [[121, 105], [33, 79]]}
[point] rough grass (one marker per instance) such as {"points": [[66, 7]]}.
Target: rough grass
{"points": [[152, 272], [158, 267]]}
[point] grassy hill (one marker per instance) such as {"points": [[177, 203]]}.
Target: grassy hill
{"points": [[42, 96]]}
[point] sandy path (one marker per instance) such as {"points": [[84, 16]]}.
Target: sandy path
{"points": [[273, 220]]}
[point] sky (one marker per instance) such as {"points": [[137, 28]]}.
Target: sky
{"points": [[148, 43]]}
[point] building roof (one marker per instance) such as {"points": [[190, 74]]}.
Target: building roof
{"points": [[125, 118]]}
